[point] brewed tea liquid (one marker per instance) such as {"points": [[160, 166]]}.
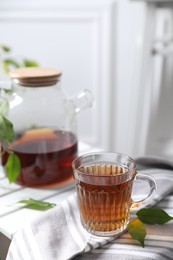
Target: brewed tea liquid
{"points": [[104, 202], [46, 156]]}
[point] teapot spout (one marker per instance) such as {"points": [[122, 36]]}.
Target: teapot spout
{"points": [[82, 100]]}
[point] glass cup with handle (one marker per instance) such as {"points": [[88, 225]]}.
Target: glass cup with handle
{"points": [[104, 183]]}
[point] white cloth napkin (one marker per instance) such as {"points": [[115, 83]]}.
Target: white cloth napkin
{"points": [[58, 234]]}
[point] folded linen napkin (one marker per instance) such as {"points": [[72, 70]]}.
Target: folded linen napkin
{"points": [[58, 233]]}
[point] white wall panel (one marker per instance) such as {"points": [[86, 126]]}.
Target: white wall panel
{"points": [[75, 36]]}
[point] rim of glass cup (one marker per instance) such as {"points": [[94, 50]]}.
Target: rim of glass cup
{"points": [[130, 169]]}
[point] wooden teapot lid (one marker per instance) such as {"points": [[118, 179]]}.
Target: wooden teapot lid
{"points": [[35, 77]]}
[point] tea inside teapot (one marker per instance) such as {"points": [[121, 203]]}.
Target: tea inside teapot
{"points": [[45, 155]]}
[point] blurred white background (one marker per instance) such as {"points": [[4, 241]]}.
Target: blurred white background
{"points": [[119, 49]]}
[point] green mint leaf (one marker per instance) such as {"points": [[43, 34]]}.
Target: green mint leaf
{"points": [[30, 63], [37, 204], [137, 230], [12, 167], [4, 48], [8, 63], [6, 129], [153, 216], [3, 106]]}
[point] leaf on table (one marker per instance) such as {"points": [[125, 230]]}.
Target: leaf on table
{"points": [[6, 129], [37, 204], [153, 216], [12, 167], [137, 230]]}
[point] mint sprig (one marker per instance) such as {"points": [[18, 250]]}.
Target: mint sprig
{"points": [[12, 165], [151, 216], [6, 127], [8, 62]]}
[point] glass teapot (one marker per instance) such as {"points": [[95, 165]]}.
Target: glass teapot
{"points": [[44, 121]]}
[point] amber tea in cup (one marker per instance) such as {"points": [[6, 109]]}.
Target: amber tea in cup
{"points": [[104, 184]]}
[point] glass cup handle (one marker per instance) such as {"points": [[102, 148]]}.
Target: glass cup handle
{"points": [[152, 184]]}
